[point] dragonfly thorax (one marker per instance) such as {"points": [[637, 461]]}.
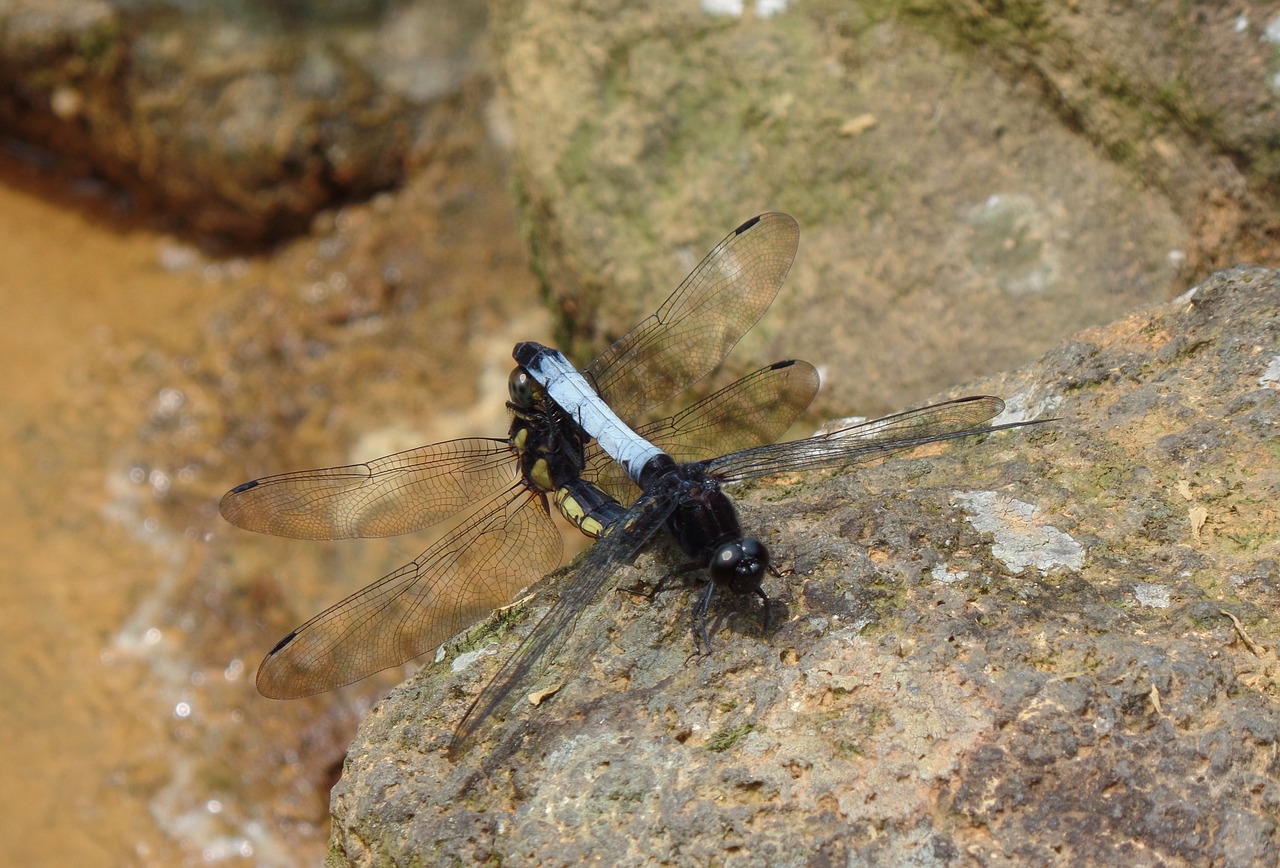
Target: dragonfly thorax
{"points": [[547, 441], [704, 521]]}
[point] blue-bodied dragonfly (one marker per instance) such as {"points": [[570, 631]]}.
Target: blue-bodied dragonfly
{"points": [[506, 538], [687, 497]]}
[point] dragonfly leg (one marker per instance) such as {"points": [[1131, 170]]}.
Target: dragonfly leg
{"points": [[637, 592], [765, 612], [680, 570], [660, 585], [700, 617]]}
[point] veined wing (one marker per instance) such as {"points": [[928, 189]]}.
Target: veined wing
{"points": [[860, 443], [506, 543], [393, 495], [617, 546], [750, 412], [699, 323]]}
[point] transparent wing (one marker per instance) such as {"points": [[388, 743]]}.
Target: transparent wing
{"points": [[393, 495], [617, 546], [750, 412], [696, 327], [864, 442], [508, 542]]}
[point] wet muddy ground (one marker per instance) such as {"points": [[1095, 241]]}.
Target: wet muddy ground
{"points": [[76, 292], [134, 617]]}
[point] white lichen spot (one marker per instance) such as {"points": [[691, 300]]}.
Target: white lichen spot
{"points": [[462, 661], [1272, 33], [723, 7], [1270, 378], [769, 8], [1009, 240], [1018, 539], [736, 8], [1153, 596], [1027, 405], [944, 575], [839, 424]]}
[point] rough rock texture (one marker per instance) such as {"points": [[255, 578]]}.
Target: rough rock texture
{"points": [[1055, 645], [974, 180], [238, 120], [1192, 113]]}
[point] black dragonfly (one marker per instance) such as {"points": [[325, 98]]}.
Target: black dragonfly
{"points": [[687, 497], [506, 539]]}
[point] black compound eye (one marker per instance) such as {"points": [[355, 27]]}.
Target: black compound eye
{"points": [[754, 550], [740, 565], [724, 563], [522, 388]]}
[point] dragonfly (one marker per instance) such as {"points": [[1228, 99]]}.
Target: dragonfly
{"points": [[688, 498], [505, 538]]}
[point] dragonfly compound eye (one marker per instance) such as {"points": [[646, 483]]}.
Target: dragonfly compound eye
{"points": [[740, 565], [522, 388]]}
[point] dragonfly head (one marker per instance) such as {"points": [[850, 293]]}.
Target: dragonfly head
{"points": [[740, 565], [523, 389]]}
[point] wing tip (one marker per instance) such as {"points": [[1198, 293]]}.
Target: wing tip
{"points": [[271, 686], [230, 505], [772, 216], [293, 634]]}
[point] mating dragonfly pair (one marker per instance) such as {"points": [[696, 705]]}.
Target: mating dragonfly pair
{"points": [[572, 439]]}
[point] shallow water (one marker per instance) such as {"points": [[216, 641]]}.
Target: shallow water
{"points": [[143, 379], [71, 578]]}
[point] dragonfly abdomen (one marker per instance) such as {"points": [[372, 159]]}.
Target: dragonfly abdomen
{"points": [[587, 507]]}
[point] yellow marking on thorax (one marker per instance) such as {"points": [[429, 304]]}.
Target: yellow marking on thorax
{"points": [[541, 475]]}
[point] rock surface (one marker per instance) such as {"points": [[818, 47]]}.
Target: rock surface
{"points": [[1054, 645], [975, 181], [236, 120]]}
